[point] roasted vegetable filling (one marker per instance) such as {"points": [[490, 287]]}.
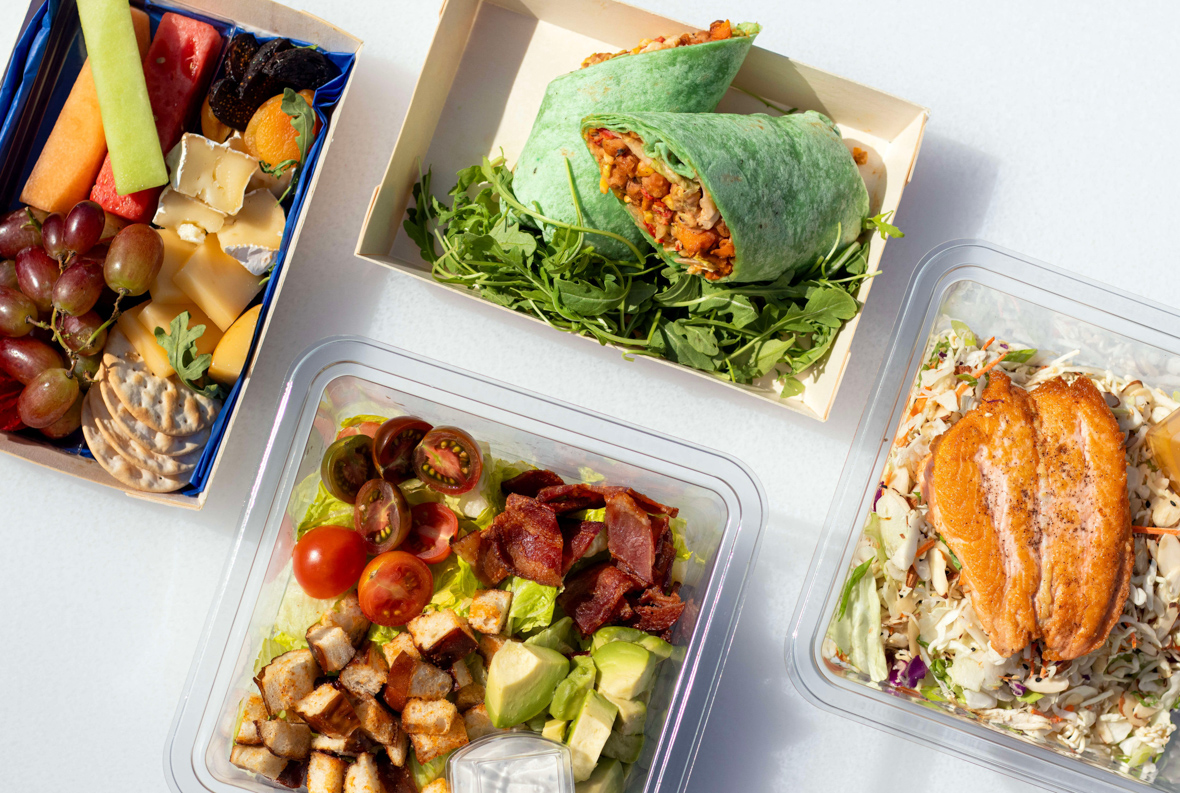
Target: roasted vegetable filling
{"points": [[719, 30], [676, 211]]}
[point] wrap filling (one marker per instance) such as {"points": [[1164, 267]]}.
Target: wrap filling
{"points": [[719, 30]]}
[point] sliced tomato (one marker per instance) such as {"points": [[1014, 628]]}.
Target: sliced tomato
{"points": [[448, 460], [381, 516], [394, 588], [364, 428], [433, 526], [328, 560], [394, 444], [347, 465]]}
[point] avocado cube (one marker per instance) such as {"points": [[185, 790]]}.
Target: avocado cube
{"points": [[589, 733], [536, 723], [608, 777], [521, 680], [656, 646], [554, 730], [569, 692], [625, 670], [624, 748], [632, 715], [558, 636], [616, 633]]}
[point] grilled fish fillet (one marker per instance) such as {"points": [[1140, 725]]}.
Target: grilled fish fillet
{"points": [[1029, 490]]}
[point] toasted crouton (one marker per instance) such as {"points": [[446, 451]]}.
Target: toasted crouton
{"points": [[429, 747], [252, 711], [470, 696], [284, 739], [361, 776], [396, 750], [489, 645], [437, 786], [376, 722], [397, 680], [489, 610], [366, 673], [429, 682], [428, 716], [325, 773], [258, 760], [287, 679], [351, 746], [443, 636], [477, 723], [347, 614], [402, 643], [462, 674], [331, 646], [328, 711]]}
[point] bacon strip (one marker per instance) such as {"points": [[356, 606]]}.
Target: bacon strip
{"points": [[578, 536], [665, 552], [530, 483], [528, 533], [593, 597], [630, 538], [656, 612], [569, 498]]}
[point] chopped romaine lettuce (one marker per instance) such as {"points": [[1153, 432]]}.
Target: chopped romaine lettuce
{"points": [[382, 634], [532, 605], [324, 510], [589, 475], [425, 774], [454, 585], [275, 645], [361, 419], [857, 632]]}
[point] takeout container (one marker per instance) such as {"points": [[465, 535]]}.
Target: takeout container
{"points": [[483, 81], [1001, 293], [40, 73], [724, 505]]}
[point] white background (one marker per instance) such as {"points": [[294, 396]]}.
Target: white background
{"points": [[1051, 132]]}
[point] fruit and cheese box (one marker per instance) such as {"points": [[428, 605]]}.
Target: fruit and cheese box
{"points": [[155, 160]]}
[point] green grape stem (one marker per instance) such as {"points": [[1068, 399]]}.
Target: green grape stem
{"points": [[115, 312]]}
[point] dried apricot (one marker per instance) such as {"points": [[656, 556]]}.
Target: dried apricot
{"points": [[270, 136]]}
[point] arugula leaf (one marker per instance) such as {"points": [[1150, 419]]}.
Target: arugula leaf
{"points": [[881, 224], [1019, 356], [303, 119], [849, 585], [181, 345], [791, 387]]}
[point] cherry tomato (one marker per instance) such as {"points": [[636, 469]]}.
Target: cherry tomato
{"points": [[448, 460], [328, 560], [393, 447], [381, 515], [433, 527], [347, 465], [364, 428], [394, 588]]}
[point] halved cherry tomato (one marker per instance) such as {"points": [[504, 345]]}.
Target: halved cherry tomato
{"points": [[393, 447], [364, 428], [394, 588], [381, 515], [347, 465], [448, 460], [328, 560], [433, 527]]}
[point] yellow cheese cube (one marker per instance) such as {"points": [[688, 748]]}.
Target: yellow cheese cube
{"points": [[157, 314], [145, 343], [176, 253], [229, 359], [217, 282]]}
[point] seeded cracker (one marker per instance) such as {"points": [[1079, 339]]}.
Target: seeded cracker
{"points": [[117, 465], [136, 454], [161, 404], [133, 429]]}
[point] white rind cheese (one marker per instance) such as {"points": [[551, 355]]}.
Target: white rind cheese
{"points": [[256, 234], [215, 173], [189, 218]]}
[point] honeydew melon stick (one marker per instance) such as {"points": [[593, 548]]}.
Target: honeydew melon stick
{"points": [[132, 140]]}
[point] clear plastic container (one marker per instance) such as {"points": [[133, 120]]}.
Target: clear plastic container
{"points": [[996, 292], [722, 500]]}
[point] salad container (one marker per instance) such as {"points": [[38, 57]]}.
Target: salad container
{"points": [[341, 378], [996, 293]]}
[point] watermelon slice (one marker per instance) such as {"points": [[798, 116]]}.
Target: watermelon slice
{"points": [[178, 67]]}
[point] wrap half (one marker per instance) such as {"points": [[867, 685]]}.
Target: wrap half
{"points": [[658, 75], [732, 197]]}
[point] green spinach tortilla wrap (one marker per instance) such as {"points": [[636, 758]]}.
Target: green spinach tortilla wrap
{"points": [[685, 74], [732, 197]]}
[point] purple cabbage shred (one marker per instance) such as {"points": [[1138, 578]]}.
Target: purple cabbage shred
{"points": [[908, 675]]}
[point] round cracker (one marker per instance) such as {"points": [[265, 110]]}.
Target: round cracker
{"points": [[118, 466], [136, 454], [160, 403], [143, 435]]}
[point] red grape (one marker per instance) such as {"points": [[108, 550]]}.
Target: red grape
{"points": [[77, 330], [87, 366], [16, 310], [79, 287], [68, 424], [47, 398], [53, 236], [17, 232], [36, 273], [26, 358], [134, 259], [8, 274], [84, 227]]}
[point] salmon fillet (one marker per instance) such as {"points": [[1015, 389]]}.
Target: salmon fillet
{"points": [[1029, 490]]}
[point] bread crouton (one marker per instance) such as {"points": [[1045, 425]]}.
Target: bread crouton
{"points": [[428, 716], [402, 643], [429, 747], [347, 614], [429, 682], [489, 610], [257, 760], [331, 646], [366, 673], [252, 710], [376, 722], [351, 746], [328, 711], [477, 722], [489, 645], [397, 749], [361, 776], [437, 786], [470, 696], [462, 674], [287, 679], [443, 636], [325, 773], [284, 739]]}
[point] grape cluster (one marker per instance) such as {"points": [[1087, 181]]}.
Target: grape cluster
{"points": [[61, 286]]}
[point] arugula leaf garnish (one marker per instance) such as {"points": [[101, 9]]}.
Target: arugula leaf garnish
{"points": [[303, 121], [881, 224], [180, 342]]}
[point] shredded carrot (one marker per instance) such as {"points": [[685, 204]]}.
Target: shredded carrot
{"points": [[1134, 641], [978, 373], [1069, 708], [988, 343], [926, 546], [1155, 530], [919, 403]]}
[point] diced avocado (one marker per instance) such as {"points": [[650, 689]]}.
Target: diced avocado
{"points": [[607, 778], [625, 670], [632, 715], [616, 633], [656, 646], [567, 697], [624, 748], [589, 732], [521, 679], [554, 730], [558, 636], [537, 723]]}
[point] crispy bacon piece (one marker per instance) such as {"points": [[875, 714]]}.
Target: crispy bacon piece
{"points": [[656, 612], [531, 482], [528, 534], [665, 552], [592, 597], [578, 536], [630, 537], [482, 551], [570, 498]]}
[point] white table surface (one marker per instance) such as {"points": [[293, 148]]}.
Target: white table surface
{"points": [[1051, 132]]}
